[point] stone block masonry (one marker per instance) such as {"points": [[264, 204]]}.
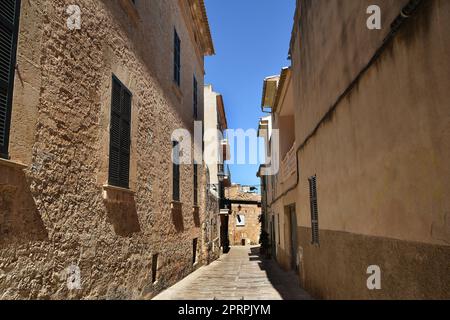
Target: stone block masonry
{"points": [[60, 212]]}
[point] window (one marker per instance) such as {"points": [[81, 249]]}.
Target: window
{"points": [[194, 250], [120, 135], [176, 172], [9, 22], [177, 59], [195, 185], [314, 210], [195, 99], [240, 220], [278, 226]]}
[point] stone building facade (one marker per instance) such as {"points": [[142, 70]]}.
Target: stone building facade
{"points": [[215, 124], [244, 222], [88, 208], [371, 123]]}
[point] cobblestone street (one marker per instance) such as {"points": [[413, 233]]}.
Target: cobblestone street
{"points": [[240, 274]]}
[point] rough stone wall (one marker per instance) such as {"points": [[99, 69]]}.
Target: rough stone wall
{"points": [[60, 130]]}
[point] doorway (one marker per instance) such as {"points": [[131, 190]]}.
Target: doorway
{"points": [[291, 219]]}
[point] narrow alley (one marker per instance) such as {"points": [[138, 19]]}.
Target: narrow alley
{"points": [[239, 275]]}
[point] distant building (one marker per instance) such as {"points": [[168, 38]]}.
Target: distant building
{"points": [[244, 222]]}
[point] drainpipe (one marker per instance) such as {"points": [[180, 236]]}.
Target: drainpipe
{"points": [[410, 9]]}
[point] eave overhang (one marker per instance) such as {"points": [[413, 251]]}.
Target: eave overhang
{"points": [[201, 26]]}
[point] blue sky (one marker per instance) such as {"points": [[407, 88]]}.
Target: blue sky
{"points": [[251, 38]]}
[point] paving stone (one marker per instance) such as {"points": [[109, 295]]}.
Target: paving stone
{"points": [[240, 274]]}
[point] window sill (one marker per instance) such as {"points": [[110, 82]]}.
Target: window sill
{"points": [[117, 194], [12, 175], [12, 164]]}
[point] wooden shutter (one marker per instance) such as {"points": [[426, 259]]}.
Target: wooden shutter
{"points": [[9, 23], [120, 135], [314, 210], [177, 59], [176, 172]]}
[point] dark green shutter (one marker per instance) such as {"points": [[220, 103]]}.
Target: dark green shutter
{"points": [[120, 135], [176, 171], [9, 23]]}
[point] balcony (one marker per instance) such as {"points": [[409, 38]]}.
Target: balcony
{"points": [[289, 165], [227, 177]]}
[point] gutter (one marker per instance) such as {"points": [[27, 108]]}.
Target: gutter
{"points": [[411, 8]]}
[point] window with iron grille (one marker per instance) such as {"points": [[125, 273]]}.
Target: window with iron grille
{"points": [[195, 99], [176, 171], [314, 210], [195, 185], [9, 24], [177, 59], [120, 135]]}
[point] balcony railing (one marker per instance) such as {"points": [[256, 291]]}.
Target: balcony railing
{"points": [[289, 165]]}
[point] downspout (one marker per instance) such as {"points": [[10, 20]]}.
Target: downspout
{"points": [[407, 11]]}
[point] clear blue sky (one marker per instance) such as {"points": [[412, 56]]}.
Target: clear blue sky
{"points": [[251, 38]]}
